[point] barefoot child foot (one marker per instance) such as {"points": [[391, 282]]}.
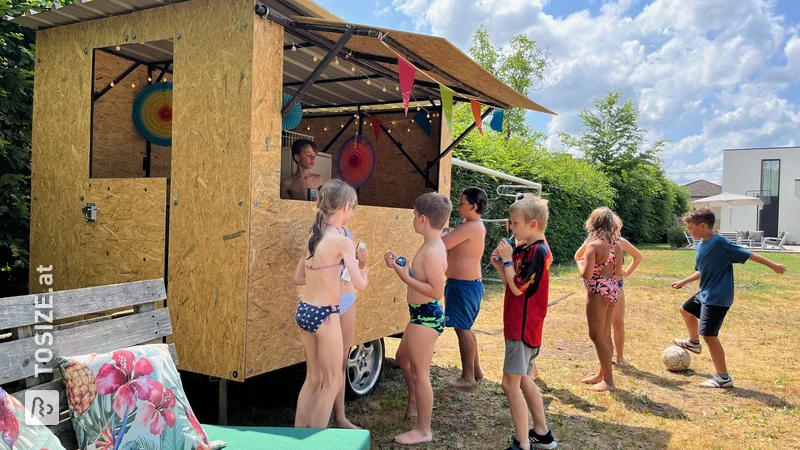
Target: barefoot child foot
{"points": [[602, 387], [461, 383], [413, 437], [593, 379], [622, 361]]}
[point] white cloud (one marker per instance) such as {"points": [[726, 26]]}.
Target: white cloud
{"points": [[698, 70]]}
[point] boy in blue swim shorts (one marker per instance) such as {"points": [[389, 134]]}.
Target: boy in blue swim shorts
{"points": [[464, 289]]}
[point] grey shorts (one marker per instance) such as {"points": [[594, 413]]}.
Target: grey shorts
{"points": [[519, 358]]}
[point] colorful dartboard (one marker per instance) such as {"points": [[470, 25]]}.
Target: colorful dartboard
{"points": [[152, 113], [356, 161]]}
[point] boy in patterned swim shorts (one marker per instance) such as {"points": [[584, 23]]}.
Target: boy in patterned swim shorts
{"points": [[425, 280]]}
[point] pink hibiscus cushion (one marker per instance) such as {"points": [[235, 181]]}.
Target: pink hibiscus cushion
{"points": [[131, 398], [14, 433]]}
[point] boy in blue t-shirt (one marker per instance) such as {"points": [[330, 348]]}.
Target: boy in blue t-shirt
{"points": [[714, 269]]}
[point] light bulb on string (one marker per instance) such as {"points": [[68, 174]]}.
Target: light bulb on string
{"points": [[112, 84], [384, 88], [117, 48], [397, 88], [369, 81], [336, 61], [133, 85], [408, 130], [315, 58], [294, 49], [353, 69], [325, 129], [308, 128], [429, 115], [341, 125], [389, 131], [418, 108], [149, 78]]}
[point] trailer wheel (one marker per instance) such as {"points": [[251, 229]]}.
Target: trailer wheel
{"points": [[364, 366]]}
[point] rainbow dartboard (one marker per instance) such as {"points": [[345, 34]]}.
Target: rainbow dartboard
{"points": [[356, 161], [152, 113]]}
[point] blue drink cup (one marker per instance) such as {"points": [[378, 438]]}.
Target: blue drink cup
{"points": [[400, 261], [510, 242]]}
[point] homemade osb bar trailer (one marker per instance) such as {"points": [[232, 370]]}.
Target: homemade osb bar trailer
{"points": [[205, 213]]}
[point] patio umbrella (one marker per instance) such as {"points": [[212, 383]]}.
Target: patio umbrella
{"points": [[729, 200]]}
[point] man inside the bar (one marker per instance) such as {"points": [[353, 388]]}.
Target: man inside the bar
{"points": [[303, 184]]}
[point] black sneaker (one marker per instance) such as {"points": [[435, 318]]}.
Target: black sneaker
{"points": [[545, 441], [514, 445]]}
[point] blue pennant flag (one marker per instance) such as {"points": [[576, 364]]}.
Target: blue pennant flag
{"points": [[422, 120], [497, 120]]}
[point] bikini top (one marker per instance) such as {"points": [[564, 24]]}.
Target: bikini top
{"points": [[330, 266]]}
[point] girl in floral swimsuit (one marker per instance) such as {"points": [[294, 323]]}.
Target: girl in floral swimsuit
{"points": [[600, 269]]}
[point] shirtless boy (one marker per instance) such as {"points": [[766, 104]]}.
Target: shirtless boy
{"points": [[304, 153], [425, 280], [464, 289]]}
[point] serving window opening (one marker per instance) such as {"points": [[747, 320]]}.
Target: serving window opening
{"points": [[131, 119]]}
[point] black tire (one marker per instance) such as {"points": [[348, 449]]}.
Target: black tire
{"points": [[364, 368]]}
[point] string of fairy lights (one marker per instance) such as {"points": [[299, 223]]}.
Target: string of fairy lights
{"points": [[368, 81], [133, 84]]}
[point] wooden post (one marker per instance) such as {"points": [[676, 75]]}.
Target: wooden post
{"points": [[222, 410]]}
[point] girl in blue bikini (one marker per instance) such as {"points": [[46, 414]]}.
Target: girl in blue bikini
{"points": [[329, 253]]}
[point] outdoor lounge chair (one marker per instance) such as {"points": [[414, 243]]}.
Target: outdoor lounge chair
{"points": [[777, 242], [690, 240]]}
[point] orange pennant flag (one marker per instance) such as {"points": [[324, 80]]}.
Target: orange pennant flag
{"points": [[476, 114]]}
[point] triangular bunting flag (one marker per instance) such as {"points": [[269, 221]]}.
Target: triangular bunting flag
{"points": [[497, 120], [447, 105], [407, 72], [376, 127], [476, 114], [422, 120]]}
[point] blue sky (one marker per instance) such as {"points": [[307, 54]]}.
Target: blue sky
{"points": [[706, 74]]}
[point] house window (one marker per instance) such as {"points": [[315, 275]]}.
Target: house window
{"points": [[770, 176]]}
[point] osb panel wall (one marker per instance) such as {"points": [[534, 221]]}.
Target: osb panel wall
{"points": [[395, 183], [117, 147], [121, 247], [210, 166]]}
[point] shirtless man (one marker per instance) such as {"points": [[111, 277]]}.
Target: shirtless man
{"points": [[464, 289], [304, 153]]}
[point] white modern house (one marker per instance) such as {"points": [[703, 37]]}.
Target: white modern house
{"points": [[773, 174]]}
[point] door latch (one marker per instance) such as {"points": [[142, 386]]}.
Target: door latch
{"points": [[90, 212]]}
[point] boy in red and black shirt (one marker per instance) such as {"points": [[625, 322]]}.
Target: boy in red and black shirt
{"points": [[525, 270]]}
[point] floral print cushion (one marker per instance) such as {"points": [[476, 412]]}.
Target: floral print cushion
{"points": [[16, 435], [131, 399]]}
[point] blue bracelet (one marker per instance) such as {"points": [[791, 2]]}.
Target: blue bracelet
{"points": [[508, 263]]}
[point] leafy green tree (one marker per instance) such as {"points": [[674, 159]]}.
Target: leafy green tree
{"points": [[517, 65], [16, 107], [613, 141]]}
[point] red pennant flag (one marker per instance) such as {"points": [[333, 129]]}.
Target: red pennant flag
{"points": [[376, 127], [407, 72], [476, 114]]}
